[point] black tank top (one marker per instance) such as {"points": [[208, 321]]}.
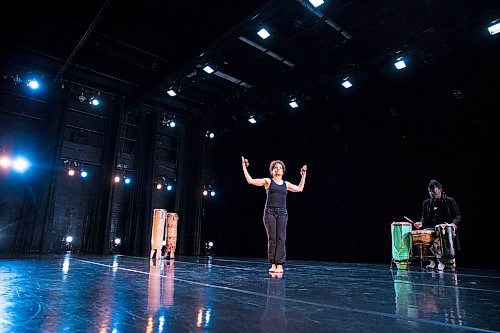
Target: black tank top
{"points": [[276, 195]]}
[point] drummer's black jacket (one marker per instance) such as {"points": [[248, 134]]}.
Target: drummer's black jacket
{"points": [[450, 208]]}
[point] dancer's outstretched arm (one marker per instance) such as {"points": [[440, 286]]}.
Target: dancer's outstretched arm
{"points": [[250, 180], [294, 188]]}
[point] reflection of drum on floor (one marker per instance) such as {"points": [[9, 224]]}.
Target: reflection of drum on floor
{"points": [[401, 244]]}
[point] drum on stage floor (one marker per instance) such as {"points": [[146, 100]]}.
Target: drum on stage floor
{"points": [[171, 234], [158, 228], [401, 244], [446, 233]]}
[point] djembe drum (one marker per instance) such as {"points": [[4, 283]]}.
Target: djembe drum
{"points": [[446, 234], [423, 240], [157, 232], [401, 244], [171, 234]]}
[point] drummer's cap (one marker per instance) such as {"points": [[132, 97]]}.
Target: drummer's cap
{"points": [[434, 183]]}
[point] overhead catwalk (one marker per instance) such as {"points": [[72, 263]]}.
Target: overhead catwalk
{"points": [[133, 294]]}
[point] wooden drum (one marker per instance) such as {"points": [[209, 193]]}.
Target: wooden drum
{"points": [[171, 234], [158, 228], [422, 237]]}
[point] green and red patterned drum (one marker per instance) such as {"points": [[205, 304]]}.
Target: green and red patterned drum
{"points": [[401, 244]]}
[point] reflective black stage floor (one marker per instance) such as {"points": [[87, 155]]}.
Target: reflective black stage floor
{"points": [[128, 294]]}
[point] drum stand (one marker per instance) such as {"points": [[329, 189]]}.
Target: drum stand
{"points": [[421, 256]]}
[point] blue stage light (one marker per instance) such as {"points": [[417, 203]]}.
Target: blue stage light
{"points": [[20, 164]]}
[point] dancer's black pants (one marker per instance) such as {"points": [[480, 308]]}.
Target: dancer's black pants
{"points": [[275, 220]]}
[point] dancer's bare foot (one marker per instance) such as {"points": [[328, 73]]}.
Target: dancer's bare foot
{"points": [[279, 269], [272, 269]]}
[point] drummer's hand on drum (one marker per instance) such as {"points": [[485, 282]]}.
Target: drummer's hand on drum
{"points": [[418, 225]]}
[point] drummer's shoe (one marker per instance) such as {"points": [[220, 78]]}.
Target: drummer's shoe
{"points": [[431, 265], [441, 266]]}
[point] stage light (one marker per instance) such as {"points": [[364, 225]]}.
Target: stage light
{"points": [[127, 180], [400, 63], [172, 124], [316, 3], [210, 135], [118, 241], [347, 84], [17, 80], [117, 179], [33, 84], [212, 193], [205, 192], [208, 69], [293, 104], [5, 162], [71, 172], [94, 101], [82, 98], [210, 245], [263, 33], [20, 164], [159, 186], [69, 239], [169, 187], [83, 173], [171, 93], [494, 28], [252, 120]]}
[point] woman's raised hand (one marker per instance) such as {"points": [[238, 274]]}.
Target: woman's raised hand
{"points": [[303, 170], [244, 161]]}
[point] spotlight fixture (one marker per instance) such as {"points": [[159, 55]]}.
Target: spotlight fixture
{"points": [[20, 164], [346, 83], [159, 186], [205, 193], [212, 193], [169, 187], [117, 179], [17, 80], [208, 69], [68, 239], [170, 92], [127, 180], [293, 104], [118, 241], [316, 3], [33, 84], [210, 134], [252, 120], [71, 172], [494, 28], [94, 101], [82, 98], [5, 162], [263, 33], [172, 124], [400, 63], [83, 173]]}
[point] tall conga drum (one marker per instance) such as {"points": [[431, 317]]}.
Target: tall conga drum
{"points": [[401, 244], [171, 234], [158, 228], [445, 232]]}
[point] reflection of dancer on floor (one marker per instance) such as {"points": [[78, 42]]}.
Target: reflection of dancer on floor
{"points": [[275, 213]]}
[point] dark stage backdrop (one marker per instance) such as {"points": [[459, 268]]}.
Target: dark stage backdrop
{"points": [[370, 159]]}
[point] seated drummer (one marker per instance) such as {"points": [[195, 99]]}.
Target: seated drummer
{"points": [[438, 209]]}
